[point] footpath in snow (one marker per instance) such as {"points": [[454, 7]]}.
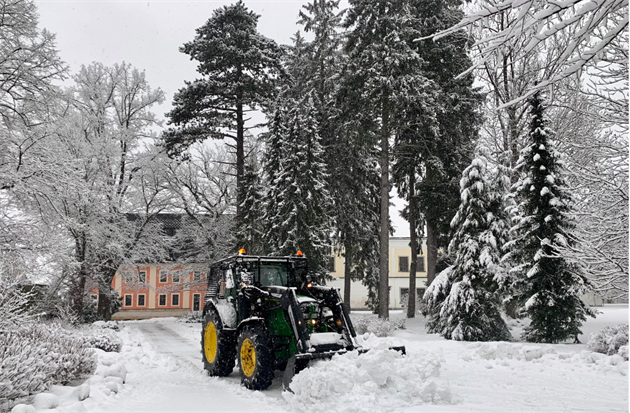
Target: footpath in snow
{"points": [[159, 370]]}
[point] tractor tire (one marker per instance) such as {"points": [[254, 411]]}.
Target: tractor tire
{"points": [[217, 346], [255, 357]]}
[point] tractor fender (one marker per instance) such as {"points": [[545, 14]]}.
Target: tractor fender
{"points": [[249, 321], [225, 310], [207, 306]]}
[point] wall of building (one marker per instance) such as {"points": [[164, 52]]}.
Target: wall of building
{"points": [[154, 287]]}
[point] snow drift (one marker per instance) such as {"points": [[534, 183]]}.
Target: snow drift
{"points": [[379, 380]]}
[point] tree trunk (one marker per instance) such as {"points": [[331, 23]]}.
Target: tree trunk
{"points": [[106, 291], [347, 279], [77, 291], [104, 302], [413, 243], [383, 291], [77, 286], [432, 251]]}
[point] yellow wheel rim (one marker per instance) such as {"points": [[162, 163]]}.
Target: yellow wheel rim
{"points": [[248, 357], [210, 342]]}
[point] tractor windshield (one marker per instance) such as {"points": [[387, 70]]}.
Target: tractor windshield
{"points": [[273, 273]]}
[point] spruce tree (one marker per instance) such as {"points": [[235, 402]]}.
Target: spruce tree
{"points": [[546, 284], [382, 76], [350, 163], [446, 134], [238, 68], [251, 230], [466, 303], [297, 201]]}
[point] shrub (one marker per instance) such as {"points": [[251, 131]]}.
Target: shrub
{"points": [[610, 340], [192, 317], [24, 368], [111, 325], [378, 326], [36, 356], [102, 338]]}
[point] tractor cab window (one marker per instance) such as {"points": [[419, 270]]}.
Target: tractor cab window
{"points": [[273, 274]]}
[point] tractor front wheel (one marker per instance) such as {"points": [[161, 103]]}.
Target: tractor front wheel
{"points": [[255, 358], [217, 346]]}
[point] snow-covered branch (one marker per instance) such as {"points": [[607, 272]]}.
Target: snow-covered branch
{"points": [[583, 28]]}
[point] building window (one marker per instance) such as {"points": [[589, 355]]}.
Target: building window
{"points": [[196, 302], [175, 299], [141, 300], [197, 276], [163, 276], [142, 277], [330, 265], [403, 264], [421, 264], [128, 300], [162, 300], [176, 277]]}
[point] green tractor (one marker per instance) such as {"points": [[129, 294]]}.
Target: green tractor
{"points": [[269, 314]]}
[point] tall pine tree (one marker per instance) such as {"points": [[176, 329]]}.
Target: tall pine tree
{"points": [[435, 144], [447, 141], [466, 304], [546, 284], [351, 166], [382, 76], [238, 68]]}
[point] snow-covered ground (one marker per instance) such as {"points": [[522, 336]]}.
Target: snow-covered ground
{"points": [[162, 371]]}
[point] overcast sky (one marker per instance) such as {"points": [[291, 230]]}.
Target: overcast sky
{"points": [[148, 35]]}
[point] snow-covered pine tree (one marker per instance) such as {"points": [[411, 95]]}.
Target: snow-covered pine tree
{"points": [[446, 133], [239, 68], [251, 228], [350, 163], [297, 201], [545, 284], [382, 77], [466, 302]]}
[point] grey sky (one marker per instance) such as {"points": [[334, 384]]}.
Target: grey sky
{"points": [[148, 34]]}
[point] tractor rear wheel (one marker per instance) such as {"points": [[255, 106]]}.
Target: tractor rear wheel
{"points": [[217, 346], [255, 357]]}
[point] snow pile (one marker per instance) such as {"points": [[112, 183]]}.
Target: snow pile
{"points": [[610, 340], [380, 379]]}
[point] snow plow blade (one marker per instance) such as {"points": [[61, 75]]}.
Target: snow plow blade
{"points": [[289, 372]]}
